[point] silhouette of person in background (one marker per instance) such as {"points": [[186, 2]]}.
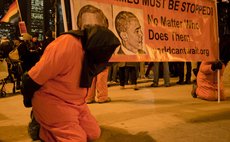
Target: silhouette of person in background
{"points": [[48, 39]]}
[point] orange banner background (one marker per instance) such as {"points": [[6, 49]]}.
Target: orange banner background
{"points": [[173, 30]]}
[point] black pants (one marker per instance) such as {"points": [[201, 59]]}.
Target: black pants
{"points": [[149, 68], [127, 73], [188, 71]]}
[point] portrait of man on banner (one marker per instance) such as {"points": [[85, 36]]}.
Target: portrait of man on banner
{"points": [[89, 17], [129, 30]]}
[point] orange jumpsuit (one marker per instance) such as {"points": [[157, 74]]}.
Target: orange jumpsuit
{"points": [[59, 105], [99, 89], [207, 86]]}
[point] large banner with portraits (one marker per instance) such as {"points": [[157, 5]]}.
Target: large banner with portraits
{"points": [[154, 30]]}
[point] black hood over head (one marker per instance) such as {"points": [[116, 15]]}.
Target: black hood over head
{"points": [[99, 44]]}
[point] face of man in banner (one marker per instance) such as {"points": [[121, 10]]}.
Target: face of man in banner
{"points": [[134, 35], [91, 19], [91, 15]]}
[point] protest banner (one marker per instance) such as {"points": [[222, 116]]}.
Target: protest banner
{"points": [[159, 30]]}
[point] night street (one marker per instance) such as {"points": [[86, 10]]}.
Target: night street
{"points": [[147, 115]]}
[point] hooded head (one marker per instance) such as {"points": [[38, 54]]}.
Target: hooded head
{"points": [[99, 44]]}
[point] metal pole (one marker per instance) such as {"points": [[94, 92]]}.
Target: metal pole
{"points": [[72, 15], [64, 15], [55, 19], [19, 11], [218, 71]]}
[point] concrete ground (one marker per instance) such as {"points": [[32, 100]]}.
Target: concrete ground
{"points": [[148, 115]]}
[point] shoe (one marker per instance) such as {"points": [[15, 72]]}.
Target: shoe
{"points": [[18, 87], [167, 85], [187, 82], [105, 101], [194, 81], [193, 92], [113, 82], [154, 85], [180, 82], [122, 87], [136, 88], [33, 129], [148, 77], [90, 101]]}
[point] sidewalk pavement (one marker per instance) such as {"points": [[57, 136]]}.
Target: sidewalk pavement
{"points": [[162, 114]]}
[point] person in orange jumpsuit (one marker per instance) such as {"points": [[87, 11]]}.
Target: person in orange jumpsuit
{"points": [[90, 15], [58, 84], [207, 85]]}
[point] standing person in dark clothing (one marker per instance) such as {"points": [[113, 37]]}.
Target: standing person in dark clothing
{"points": [[181, 73], [24, 52], [34, 49], [149, 68], [166, 74], [48, 39], [35, 43], [173, 69]]}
